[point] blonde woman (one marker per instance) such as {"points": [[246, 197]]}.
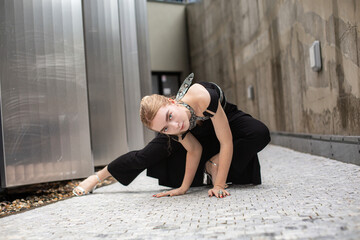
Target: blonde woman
{"points": [[199, 132]]}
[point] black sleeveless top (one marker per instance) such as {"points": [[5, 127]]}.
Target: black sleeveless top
{"points": [[216, 95]]}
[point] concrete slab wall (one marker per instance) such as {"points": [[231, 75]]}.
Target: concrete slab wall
{"points": [[265, 43]]}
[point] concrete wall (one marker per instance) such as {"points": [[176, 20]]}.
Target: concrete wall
{"points": [[168, 37], [265, 43]]}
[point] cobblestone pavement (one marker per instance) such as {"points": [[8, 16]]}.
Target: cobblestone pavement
{"points": [[302, 197]]}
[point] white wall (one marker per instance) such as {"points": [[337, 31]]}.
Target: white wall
{"points": [[168, 37]]}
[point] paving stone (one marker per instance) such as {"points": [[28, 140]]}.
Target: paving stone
{"points": [[302, 197]]}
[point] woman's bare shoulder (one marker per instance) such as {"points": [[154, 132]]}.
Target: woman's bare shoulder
{"points": [[200, 96], [198, 89]]}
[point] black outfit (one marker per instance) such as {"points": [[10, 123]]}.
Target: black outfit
{"points": [[165, 158]]}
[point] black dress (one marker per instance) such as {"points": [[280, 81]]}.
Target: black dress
{"points": [[165, 158]]}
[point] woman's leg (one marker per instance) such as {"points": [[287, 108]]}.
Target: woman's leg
{"points": [[158, 157], [250, 136], [212, 166], [89, 183], [163, 158]]}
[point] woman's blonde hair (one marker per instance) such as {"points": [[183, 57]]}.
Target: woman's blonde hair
{"points": [[149, 106]]}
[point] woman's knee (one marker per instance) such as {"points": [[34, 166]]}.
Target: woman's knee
{"points": [[263, 134]]}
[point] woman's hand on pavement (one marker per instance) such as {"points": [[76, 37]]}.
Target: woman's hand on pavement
{"points": [[174, 192], [218, 192]]}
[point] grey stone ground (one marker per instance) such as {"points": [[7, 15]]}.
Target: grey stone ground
{"points": [[302, 197]]}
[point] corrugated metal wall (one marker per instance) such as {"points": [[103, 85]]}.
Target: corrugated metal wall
{"points": [[44, 106], [50, 76], [105, 80], [130, 53]]}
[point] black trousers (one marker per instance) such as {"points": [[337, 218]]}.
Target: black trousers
{"points": [[165, 158]]}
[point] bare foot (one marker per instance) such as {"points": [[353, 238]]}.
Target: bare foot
{"points": [[88, 185]]}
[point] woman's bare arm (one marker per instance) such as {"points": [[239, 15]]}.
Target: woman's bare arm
{"points": [[199, 97], [194, 151], [224, 135], [193, 155]]}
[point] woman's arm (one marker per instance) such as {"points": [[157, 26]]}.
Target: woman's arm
{"points": [[194, 151], [198, 96], [223, 133]]}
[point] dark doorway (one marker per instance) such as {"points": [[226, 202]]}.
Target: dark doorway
{"points": [[165, 83]]}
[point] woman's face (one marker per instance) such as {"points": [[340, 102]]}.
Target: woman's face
{"points": [[171, 119]]}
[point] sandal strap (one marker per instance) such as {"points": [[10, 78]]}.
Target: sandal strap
{"points": [[212, 163], [82, 190], [99, 180]]}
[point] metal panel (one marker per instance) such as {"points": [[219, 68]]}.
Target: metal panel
{"points": [[143, 46], [342, 148], [346, 150], [131, 70], [105, 80], [144, 55], [45, 124], [301, 144], [320, 147]]}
